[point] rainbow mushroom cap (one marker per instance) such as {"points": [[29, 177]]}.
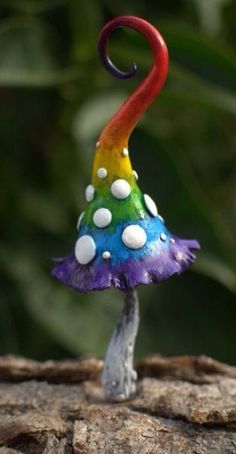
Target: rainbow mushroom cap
{"points": [[122, 239]]}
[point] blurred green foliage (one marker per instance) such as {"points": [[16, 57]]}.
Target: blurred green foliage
{"points": [[55, 98]]}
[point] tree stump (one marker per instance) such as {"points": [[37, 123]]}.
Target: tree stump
{"points": [[182, 405]]}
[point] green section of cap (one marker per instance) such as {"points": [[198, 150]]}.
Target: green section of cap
{"points": [[131, 208]]}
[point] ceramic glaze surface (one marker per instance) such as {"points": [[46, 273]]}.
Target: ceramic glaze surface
{"points": [[126, 239]]}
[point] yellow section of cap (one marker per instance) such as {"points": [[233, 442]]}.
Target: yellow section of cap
{"points": [[117, 164]]}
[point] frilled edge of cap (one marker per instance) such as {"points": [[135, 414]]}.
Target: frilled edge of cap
{"points": [[130, 273]]}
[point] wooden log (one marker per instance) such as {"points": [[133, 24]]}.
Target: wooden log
{"points": [[182, 405]]}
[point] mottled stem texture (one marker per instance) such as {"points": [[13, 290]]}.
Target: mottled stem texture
{"points": [[119, 377]]}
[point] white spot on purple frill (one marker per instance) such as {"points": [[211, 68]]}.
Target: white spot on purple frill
{"points": [[179, 256], [85, 249], [134, 237]]}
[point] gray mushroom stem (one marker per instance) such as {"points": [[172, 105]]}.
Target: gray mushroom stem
{"points": [[119, 377]]}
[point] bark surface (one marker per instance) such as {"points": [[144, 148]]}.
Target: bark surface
{"points": [[182, 405]]}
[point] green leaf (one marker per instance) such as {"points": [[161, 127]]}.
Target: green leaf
{"points": [[207, 57], [28, 55], [94, 114], [85, 22], [184, 86], [32, 6], [212, 267], [44, 212], [81, 323]]}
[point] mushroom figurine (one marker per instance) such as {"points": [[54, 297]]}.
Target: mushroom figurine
{"points": [[122, 240]]}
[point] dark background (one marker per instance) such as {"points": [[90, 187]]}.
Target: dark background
{"points": [[55, 98]]}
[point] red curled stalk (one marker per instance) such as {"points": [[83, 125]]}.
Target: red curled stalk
{"points": [[116, 133]]}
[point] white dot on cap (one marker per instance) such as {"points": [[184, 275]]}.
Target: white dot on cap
{"points": [[79, 220], [106, 255], [89, 193], [125, 152], [163, 236], [102, 217], [102, 173], [150, 205], [134, 236], [97, 144], [135, 175], [85, 249], [120, 189]]}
